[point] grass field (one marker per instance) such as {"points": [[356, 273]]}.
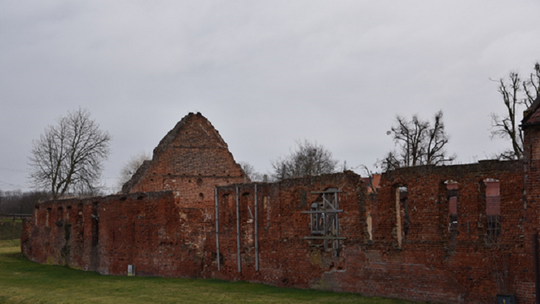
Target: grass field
{"points": [[22, 281], [10, 229]]}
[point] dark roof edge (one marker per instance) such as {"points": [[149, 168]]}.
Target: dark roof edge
{"points": [[528, 113]]}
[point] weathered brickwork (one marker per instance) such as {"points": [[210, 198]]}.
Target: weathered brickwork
{"points": [[471, 267], [449, 234], [101, 234], [192, 158]]}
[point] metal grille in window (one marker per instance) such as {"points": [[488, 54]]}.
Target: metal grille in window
{"points": [[324, 219], [493, 228], [493, 210], [317, 219]]}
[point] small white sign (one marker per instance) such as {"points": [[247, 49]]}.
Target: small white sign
{"points": [[131, 270]]}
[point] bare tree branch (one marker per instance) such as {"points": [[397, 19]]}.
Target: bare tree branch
{"points": [[309, 159], [68, 156], [251, 173], [517, 96], [130, 167], [531, 86], [419, 143]]}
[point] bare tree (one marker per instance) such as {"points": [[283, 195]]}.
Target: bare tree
{"points": [[419, 143], [130, 167], [531, 86], [389, 162], [517, 95], [436, 140], [410, 135], [309, 159], [68, 156], [251, 173]]}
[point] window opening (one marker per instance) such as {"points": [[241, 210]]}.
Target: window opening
{"points": [[452, 198], [267, 211], [369, 223], [403, 221], [452, 195], [48, 218], [303, 198], [324, 220], [95, 224], [493, 210], [60, 217], [36, 215]]}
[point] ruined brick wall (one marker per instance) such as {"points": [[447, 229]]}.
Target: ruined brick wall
{"points": [[472, 267], [428, 263], [160, 235], [106, 234], [284, 257]]}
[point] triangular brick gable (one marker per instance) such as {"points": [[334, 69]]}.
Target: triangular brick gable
{"points": [[192, 149]]}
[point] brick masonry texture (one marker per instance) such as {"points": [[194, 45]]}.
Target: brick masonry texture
{"points": [[191, 212]]}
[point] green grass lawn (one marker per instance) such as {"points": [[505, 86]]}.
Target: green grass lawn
{"points": [[22, 281]]}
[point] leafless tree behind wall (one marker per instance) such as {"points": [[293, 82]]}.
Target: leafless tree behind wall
{"points": [[130, 167], [418, 142], [309, 159], [251, 172], [517, 94], [67, 158]]}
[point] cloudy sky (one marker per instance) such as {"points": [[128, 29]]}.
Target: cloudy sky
{"points": [[265, 73]]}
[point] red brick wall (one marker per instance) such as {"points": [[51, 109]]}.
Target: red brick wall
{"points": [[480, 270], [428, 266], [162, 236], [149, 230], [285, 258]]}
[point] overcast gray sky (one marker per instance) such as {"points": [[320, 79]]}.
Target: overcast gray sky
{"points": [[263, 72]]}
